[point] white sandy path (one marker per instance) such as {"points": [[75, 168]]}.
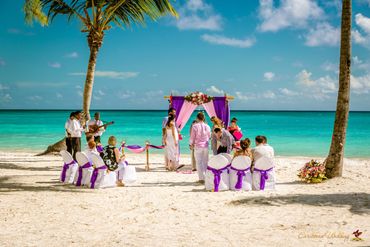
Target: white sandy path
{"points": [[170, 209]]}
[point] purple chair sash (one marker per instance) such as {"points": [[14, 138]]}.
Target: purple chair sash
{"points": [[217, 176], [241, 174], [79, 179], [264, 176], [64, 170], [94, 175], [99, 148]]}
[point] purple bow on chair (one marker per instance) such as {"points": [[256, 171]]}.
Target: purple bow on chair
{"points": [[95, 175], [264, 176], [217, 176], [79, 179], [64, 171], [241, 174]]}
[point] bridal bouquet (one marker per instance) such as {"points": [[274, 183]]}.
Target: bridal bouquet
{"points": [[312, 172], [198, 98]]}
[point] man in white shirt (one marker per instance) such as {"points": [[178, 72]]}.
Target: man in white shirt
{"points": [[262, 149], [76, 133], [97, 122], [67, 127]]}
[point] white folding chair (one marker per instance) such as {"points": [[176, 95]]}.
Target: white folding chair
{"points": [[69, 168], [240, 174], [217, 177], [263, 175], [85, 169], [227, 156], [101, 177]]}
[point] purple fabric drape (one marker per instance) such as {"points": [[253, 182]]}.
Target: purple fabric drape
{"points": [[222, 109], [177, 102]]}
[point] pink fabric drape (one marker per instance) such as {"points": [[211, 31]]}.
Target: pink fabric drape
{"points": [[210, 109], [185, 113]]}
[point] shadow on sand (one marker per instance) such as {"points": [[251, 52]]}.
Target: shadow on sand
{"points": [[7, 185], [12, 166], [359, 203]]}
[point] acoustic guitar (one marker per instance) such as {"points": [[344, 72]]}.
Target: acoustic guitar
{"points": [[94, 128]]}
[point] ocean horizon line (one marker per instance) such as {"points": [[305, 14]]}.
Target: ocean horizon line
{"points": [[158, 110]]}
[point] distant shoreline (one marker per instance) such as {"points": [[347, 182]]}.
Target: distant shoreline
{"points": [[162, 110]]}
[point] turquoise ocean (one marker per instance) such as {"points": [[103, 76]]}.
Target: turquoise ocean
{"points": [[290, 133]]}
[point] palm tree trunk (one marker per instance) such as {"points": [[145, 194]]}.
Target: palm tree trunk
{"points": [[89, 81], [334, 161]]}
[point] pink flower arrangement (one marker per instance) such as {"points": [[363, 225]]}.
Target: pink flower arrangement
{"points": [[198, 98], [312, 172]]}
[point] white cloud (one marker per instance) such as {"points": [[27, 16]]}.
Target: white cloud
{"points": [[360, 84], [59, 95], [2, 62], [72, 55], [100, 92], [5, 97], [154, 94], [320, 88], [215, 90], [362, 38], [323, 34], [222, 40], [364, 2], [363, 22], [80, 93], [197, 15], [55, 65], [17, 31], [126, 94], [110, 74], [361, 65], [290, 14], [35, 98], [269, 76], [328, 66], [269, 95], [26, 84], [244, 96], [287, 92]]}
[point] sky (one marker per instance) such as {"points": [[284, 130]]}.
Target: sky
{"points": [[268, 54]]}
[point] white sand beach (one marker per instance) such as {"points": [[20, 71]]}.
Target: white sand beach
{"points": [[170, 209]]}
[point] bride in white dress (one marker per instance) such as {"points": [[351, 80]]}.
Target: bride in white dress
{"points": [[171, 142]]}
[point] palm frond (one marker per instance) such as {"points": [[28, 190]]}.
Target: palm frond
{"points": [[33, 12]]}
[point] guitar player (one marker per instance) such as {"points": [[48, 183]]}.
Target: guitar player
{"points": [[96, 122]]}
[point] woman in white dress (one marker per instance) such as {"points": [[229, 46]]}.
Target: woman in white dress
{"points": [[171, 142]]}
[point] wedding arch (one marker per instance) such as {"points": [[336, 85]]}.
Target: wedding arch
{"points": [[186, 105]]}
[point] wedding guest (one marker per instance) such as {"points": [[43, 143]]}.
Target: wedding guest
{"points": [[171, 142], [171, 111], [95, 123], [234, 128], [193, 163], [199, 140], [67, 127], [76, 132], [217, 123], [262, 149], [226, 141], [91, 149], [113, 160], [245, 149]]}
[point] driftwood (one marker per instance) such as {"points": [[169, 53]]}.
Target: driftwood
{"points": [[55, 148]]}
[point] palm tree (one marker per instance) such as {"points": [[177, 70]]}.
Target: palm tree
{"points": [[97, 16], [334, 161]]}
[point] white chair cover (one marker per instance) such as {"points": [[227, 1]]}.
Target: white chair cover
{"points": [[69, 168], [103, 178], [217, 169], [227, 156], [129, 174], [263, 175], [86, 169], [244, 180]]}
